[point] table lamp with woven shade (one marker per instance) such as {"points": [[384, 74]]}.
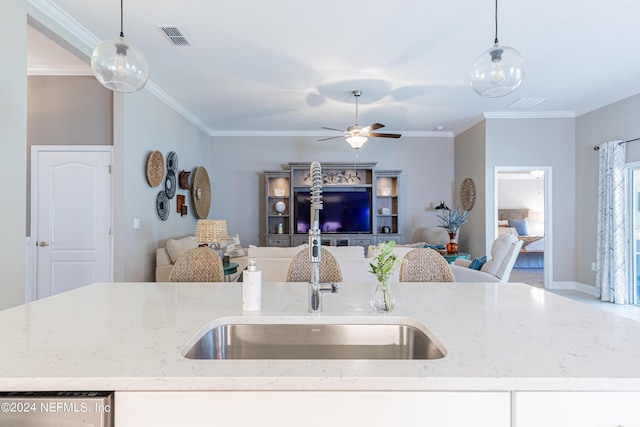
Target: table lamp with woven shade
{"points": [[211, 232]]}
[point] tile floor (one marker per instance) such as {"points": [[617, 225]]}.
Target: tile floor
{"points": [[533, 277]]}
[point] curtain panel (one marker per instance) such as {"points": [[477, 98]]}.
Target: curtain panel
{"points": [[612, 243]]}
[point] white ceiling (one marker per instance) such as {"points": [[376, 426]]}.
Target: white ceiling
{"points": [[260, 66]]}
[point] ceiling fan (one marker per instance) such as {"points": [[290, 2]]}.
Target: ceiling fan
{"points": [[357, 136]]}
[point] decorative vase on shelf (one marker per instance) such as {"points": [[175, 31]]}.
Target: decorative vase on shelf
{"points": [[452, 247], [383, 301]]}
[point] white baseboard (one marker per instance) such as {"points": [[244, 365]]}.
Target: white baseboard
{"points": [[574, 286], [587, 289]]}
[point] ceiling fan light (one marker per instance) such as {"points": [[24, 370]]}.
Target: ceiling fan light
{"points": [[497, 72], [356, 141], [119, 66]]}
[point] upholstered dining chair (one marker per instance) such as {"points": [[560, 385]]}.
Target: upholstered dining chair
{"points": [[201, 264], [425, 265], [300, 267]]}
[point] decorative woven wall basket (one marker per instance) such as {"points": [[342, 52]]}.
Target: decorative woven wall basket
{"points": [[155, 168], [201, 193]]}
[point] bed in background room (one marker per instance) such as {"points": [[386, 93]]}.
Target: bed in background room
{"points": [[528, 229]]}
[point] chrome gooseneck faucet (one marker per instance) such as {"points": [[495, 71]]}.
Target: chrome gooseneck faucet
{"points": [[314, 238]]}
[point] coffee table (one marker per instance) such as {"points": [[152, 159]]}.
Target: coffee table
{"points": [[451, 258]]}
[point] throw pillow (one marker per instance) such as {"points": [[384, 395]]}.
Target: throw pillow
{"points": [[232, 246], [477, 263], [176, 247], [521, 226]]}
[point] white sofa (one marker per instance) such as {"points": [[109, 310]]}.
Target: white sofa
{"points": [[353, 262], [167, 255]]}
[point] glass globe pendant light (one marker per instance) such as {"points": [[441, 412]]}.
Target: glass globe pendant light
{"points": [[498, 71], [118, 65]]}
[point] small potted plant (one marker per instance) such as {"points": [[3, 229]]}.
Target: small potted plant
{"points": [[452, 220], [383, 266]]}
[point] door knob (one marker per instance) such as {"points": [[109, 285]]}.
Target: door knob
{"points": [[43, 244]]}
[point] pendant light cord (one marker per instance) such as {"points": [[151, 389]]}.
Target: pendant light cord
{"points": [[122, 20], [496, 19]]}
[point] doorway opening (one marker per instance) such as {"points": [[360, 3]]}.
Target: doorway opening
{"points": [[523, 208]]}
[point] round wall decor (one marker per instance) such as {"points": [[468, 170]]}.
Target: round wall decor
{"points": [[201, 192], [170, 184], [162, 205], [172, 162], [155, 168], [467, 194]]}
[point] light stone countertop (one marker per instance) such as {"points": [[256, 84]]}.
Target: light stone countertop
{"points": [[498, 336]]}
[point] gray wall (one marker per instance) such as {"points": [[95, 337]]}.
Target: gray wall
{"points": [[616, 121], [540, 143], [13, 136], [68, 111], [65, 111], [142, 123], [470, 163]]}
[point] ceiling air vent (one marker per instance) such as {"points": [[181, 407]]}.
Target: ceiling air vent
{"points": [[527, 103], [174, 35]]}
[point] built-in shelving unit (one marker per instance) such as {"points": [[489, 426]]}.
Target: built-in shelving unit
{"points": [[286, 186], [387, 205], [278, 192]]}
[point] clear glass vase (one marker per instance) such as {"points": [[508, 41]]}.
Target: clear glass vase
{"points": [[383, 301]]}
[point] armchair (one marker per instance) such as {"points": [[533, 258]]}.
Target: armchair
{"points": [[504, 251]]}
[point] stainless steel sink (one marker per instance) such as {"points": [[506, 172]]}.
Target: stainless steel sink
{"points": [[315, 339]]}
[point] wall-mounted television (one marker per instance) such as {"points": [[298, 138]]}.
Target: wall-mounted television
{"points": [[342, 212]]}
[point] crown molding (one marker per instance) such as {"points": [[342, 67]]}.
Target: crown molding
{"points": [[514, 115], [530, 115], [163, 96], [45, 8], [82, 39], [468, 125], [608, 101], [63, 70]]}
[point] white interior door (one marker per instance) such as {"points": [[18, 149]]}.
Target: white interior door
{"points": [[73, 217]]}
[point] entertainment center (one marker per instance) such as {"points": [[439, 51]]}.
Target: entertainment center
{"points": [[360, 205]]}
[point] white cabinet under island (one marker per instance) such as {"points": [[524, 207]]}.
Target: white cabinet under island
{"points": [[502, 341]]}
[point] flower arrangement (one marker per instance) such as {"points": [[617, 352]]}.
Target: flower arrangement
{"points": [[453, 220]]}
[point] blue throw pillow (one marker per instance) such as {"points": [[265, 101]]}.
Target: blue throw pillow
{"points": [[521, 226], [477, 263]]}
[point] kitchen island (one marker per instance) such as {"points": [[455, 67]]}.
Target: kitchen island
{"points": [[500, 339]]}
